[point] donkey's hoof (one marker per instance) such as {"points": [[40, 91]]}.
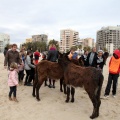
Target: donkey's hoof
{"points": [[38, 100], [66, 101], [33, 95], [61, 90], [72, 100], [93, 116]]}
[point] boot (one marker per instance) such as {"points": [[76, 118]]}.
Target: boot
{"points": [[10, 99], [15, 99]]}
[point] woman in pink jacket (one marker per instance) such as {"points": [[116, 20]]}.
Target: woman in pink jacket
{"points": [[13, 81]]}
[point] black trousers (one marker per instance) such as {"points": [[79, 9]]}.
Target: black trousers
{"points": [[112, 78], [32, 75], [21, 75], [13, 90]]}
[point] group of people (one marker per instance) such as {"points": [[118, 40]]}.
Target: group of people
{"points": [[98, 60], [18, 62]]}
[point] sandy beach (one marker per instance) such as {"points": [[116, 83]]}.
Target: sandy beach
{"points": [[52, 105]]}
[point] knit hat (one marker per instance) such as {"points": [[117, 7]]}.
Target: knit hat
{"points": [[117, 52], [100, 51]]}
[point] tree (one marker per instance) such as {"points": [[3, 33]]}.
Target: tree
{"points": [[74, 48], [54, 42], [105, 49], [88, 48], [41, 46], [80, 46]]}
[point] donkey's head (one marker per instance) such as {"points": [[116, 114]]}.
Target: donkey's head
{"points": [[63, 57]]}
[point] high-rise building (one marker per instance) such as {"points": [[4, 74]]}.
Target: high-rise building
{"points": [[88, 42], [40, 38], [28, 40], [68, 38], [4, 40], [108, 38]]}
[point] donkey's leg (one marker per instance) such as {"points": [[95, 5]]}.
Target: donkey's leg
{"points": [[95, 107], [61, 83], [72, 93], [39, 84], [37, 91], [65, 91], [94, 100], [98, 92], [68, 94], [34, 86]]}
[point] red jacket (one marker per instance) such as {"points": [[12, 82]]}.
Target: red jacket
{"points": [[37, 55]]}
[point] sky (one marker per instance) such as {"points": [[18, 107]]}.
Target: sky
{"points": [[23, 18]]}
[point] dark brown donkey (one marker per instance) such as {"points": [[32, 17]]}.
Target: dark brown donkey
{"points": [[45, 69], [88, 77]]}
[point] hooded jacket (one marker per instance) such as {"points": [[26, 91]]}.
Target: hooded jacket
{"points": [[114, 64]]}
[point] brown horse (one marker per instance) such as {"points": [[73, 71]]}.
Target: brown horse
{"points": [[88, 77]]}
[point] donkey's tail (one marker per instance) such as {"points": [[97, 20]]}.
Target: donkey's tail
{"points": [[100, 82]]}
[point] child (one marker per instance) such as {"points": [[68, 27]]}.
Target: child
{"points": [[114, 70], [21, 72], [13, 81]]}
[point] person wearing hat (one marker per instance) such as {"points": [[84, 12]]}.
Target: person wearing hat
{"points": [[99, 60], [114, 70]]}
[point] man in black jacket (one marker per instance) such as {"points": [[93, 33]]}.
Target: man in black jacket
{"points": [[91, 57]]}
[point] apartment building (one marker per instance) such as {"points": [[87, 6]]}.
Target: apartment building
{"points": [[68, 38], [109, 38], [4, 39], [88, 42], [28, 40], [40, 38]]}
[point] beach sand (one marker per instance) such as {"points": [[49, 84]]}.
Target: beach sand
{"points": [[52, 105]]}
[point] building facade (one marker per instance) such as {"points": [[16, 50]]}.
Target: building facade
{"points": [[108, 38], [40, 38], [4, 40], [88, 42], [68, 38], [28, 40]]}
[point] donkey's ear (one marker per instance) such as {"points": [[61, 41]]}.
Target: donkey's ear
{"points": [[59, 53], [67, 53]]}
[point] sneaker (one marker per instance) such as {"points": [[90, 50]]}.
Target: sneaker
{"points": [[114, 96], [29, 84], [106, 96], [50, 86]]}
